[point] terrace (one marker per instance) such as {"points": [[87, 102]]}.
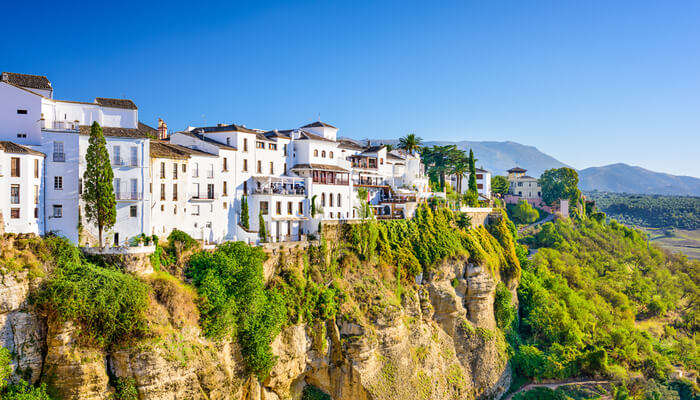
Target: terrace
{"points": [[281, 186]]}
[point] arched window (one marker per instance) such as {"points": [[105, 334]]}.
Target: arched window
{"points": [[330, 199], [338, 199], [323, 199], [323, 154], [316, 153], [330, 154], [381, 161]]}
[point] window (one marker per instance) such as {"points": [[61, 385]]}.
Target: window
{"points": [[263, 207], [228, 141], [323, 154], [259, 167], [210, 190], [245, 187], [480, 186], [338, 200], [285, 168], [134, 156], [22, 112], [14, 213], [225, 205], [57, 183], [36, 194], [184, 168], [330, 199], [479, 176], [80, 186], [57, 211], [175, 192], [245, 144], [36, 212], [14, 194], [225, 189], [272, 168], [278, 207], [196, 191], [289, 207], [14, 166], [520, 183], [225, 163], [195, 210], [301, 207], [245, 165], [284, 147], [381, 161], [117, 155], [162, 170], [174, 210], [196, 170], [21, 135], [162, 208], [316, 153], [272, 146], [174, 170], [323, 199], [162, 191], [259, 145], [330, 155], [36, 168], [133, 211]]}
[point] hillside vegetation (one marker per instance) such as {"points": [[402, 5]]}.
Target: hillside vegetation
{"points": [[597, 301], [654, 211]]}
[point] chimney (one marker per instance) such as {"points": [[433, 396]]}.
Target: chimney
{"points": [[162, 129]]}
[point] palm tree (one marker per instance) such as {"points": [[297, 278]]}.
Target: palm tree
{"points": [[411, 143]]}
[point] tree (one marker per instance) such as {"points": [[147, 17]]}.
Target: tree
{"points": [[560, 183], [440, 162], [500, 185], [473, 193], [460, 166], [523, 212], [98, 192], [410, 143], [364, 211], [245, 218], [262, 230]]}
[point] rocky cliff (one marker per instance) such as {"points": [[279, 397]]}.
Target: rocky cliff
{"points": [[434, 340]]}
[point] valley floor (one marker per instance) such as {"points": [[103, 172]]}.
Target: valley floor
{"points": [[676, 240]]}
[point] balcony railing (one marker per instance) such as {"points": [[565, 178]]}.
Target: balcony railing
{"points": [[330, 181], [281, 190], [369, 182], [61, 125], [118, 161], [205, 196], [128, 196], [59, 157]]}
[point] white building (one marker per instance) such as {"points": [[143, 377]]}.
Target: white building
{"points": [[483, 183], [32, 117], [21, 176], [523, 185]]}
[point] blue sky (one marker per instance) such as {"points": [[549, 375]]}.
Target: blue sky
{"points": [[591, 83]]}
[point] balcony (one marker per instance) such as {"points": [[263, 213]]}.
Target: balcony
{"points": [[369, 181], [128, 196], [203, 197], [61, 125], [134, 162], [210, 174], [118, 161], [279, 186], [59, 157]]}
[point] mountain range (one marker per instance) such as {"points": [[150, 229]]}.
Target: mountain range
{"points": [[498, 157]]}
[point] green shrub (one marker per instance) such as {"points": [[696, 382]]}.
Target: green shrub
{"points": [[311, 392], [503, 307], [181, 240], [108, 305], [125, 389], [20, 390], [522, 212]]}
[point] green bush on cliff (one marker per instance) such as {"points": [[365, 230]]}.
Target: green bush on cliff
{"points": [[109, 306], [20, 390], [235, 303]]}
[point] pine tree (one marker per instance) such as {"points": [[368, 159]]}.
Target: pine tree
{"points": [[262, 231], [98, 192], [472, 193], [245, 218]]}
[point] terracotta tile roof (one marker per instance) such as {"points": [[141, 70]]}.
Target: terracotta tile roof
{"points": [[223, 128], [517, 169], [320, 167], [350, 144], [319, 124], [14, 148], [142, 132], [208, 140], [116, 103], [26, 80], [284, 134], [304, 135], [165, 149], [481, 170]]}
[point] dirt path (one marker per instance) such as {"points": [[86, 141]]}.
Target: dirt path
{"points": [[553, 386]]}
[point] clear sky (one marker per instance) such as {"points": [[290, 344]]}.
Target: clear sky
{"points": [[589, 82]]}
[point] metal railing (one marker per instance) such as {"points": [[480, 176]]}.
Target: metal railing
{"points": [[205, 196], [283, 191], [59, 157], [128, 195], [61, 125]]}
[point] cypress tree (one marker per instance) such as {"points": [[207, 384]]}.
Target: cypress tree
{"points": [[245, 218], [472, 193], [98, 192], [262, 231]]}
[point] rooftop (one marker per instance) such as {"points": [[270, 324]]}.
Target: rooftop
{"points": [[165, 149], [116, 103], [142, 132], [517, 169], [223, 128], [304, 135], [14, 148], [26, 80], [319, 124], [208, 140], [320, 167]]}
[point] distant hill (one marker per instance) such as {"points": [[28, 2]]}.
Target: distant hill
{"points": [[499, 157], [623, 178]]}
